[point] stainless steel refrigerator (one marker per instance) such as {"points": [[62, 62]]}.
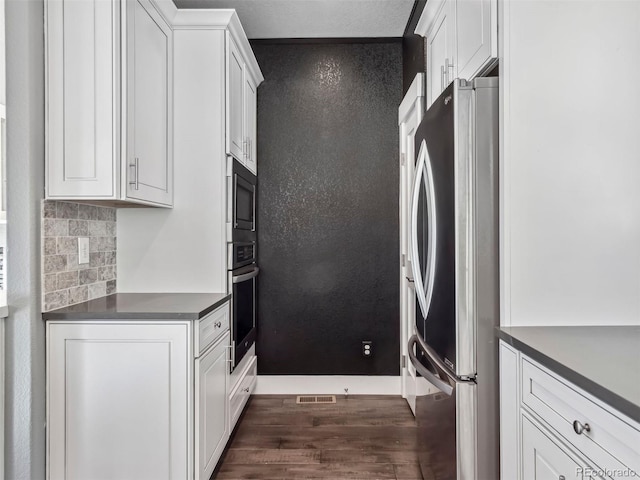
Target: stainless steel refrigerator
{"points": [[455, 266]]}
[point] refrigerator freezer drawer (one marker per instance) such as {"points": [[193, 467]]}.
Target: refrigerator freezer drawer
{"points": [[447, 435], [609, 440], [436, 419]]}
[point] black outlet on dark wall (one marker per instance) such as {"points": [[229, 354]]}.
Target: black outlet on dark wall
{"points": [[328, 207]]}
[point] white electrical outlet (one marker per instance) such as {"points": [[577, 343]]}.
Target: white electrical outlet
{"points": [[83, 250]]}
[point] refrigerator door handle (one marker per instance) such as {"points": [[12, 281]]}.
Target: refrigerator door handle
{"points": [[432, 225], [444, 386], [415, 255], [437, 362], [424, 287]]}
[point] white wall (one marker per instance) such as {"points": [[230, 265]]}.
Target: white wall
{"points": [[25, 345], [3, 98], [570, 108], [183, 249]]}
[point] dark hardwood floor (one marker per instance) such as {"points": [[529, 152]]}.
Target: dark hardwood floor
{"points": [[359, 437]]}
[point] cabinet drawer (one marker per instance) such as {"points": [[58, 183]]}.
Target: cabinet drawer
{"points": [[210, 328], [239, 397], [613, 441]]}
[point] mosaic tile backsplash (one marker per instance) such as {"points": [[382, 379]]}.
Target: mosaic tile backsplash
{"points": [[65, 281]]}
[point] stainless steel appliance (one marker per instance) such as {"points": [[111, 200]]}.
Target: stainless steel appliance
{"points": [[455, 268], [243, 284], [242, 258], [241, 218]]}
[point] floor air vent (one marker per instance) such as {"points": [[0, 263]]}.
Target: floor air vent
{"points": [[315, 399]]}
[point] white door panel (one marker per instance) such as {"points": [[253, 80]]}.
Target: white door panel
{"points": [[411, 112]]}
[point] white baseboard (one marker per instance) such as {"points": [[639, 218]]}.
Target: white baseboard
{"points": [[326, 385]]}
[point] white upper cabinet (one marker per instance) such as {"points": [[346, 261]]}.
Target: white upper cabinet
{"points": [[250, 122], [235, 101], [82, 110], [476, 38], [439, 45], [108, 102], [149, 115], [241, 105], [461, 41]]}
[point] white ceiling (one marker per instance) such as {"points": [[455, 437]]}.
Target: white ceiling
{"points": [[315, 18]]}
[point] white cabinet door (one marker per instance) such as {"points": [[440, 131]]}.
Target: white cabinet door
{"points": [[236, 145], [509, 412], [250, 122], [149, 73], [476, 36], [81, 109], [117, 401], [544, 459], [211, 412], [440, 52]]}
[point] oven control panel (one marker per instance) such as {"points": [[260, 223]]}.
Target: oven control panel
{"points": [[241, 253]]}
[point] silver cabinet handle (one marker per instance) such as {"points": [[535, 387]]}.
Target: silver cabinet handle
{"points": [[442, 79], [579, 428], [231, 353], [448, 65], [561, 477], [217, 324], [135, 181]]}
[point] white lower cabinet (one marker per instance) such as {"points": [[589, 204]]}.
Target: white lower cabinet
{"points": [[118, 397], [243, 389], [141, 399], [542, 458], [550, 429], [212, 374]]}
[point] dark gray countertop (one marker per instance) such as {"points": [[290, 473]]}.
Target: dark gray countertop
{"points": [[142, 306], [604, 361]]}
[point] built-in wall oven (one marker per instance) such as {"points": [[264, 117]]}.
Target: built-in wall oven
{"points": [[242, 259], [243, 285]]}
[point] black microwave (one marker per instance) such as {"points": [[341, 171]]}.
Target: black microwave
{"points": [[243, 203]]}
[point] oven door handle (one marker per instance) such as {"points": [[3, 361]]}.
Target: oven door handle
{"points": [[246, 276]]}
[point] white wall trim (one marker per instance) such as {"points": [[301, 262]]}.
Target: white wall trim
{"points": [[504, 175], [327, 385], [416, 91]]}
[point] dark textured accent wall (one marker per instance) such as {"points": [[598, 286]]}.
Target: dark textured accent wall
{"points": [[328, 208], [413, 50]]}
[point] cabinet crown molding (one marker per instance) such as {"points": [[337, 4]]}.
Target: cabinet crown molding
{"points": [[212, 18], [429, 14]]}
